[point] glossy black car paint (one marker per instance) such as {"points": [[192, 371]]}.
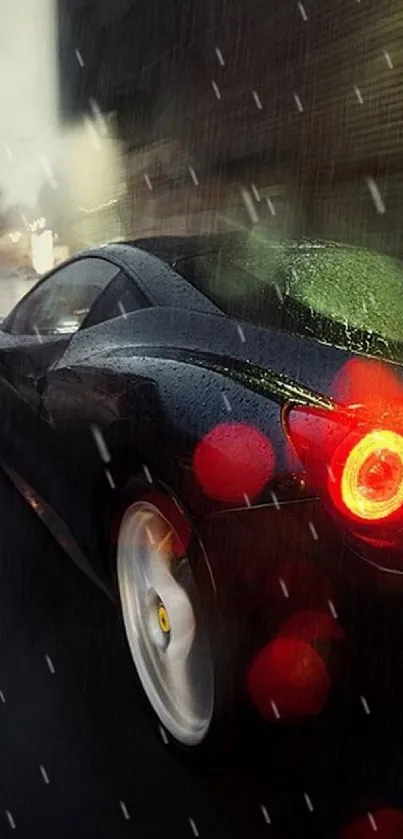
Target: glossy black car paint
{"points": [[154, 381]]}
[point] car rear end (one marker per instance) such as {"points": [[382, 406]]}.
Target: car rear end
{"points": [[304, 561]]}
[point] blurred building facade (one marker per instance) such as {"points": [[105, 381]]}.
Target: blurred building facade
{"points": [[230, 111]]}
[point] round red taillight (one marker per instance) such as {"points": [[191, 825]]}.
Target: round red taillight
{"points": [[366, 476]]}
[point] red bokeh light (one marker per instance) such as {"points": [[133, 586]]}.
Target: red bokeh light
{"points": [[312, 626], [388, 825], [372, 384], [233, 460], [289, 676]]}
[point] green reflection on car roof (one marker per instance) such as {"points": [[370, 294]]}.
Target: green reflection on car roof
{"points": [[361, 288]]}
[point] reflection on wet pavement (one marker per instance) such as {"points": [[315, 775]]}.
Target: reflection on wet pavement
{"points": [[79, 760]]}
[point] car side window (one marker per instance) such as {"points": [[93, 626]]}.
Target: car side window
{"points": [[121, 297], [238, 290], [60, 304]]}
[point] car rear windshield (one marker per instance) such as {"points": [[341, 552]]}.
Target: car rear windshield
{"points": [[337, 294]]}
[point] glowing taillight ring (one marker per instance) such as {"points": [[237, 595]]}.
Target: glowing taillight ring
{"points": [[375, 443]]}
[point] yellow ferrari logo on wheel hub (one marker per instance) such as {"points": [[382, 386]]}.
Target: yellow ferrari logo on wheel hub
{"points": [[163, 619]]}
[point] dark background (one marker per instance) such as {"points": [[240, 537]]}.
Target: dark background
{"points": [[154, 64]]}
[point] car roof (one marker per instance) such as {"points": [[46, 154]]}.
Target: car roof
{"points": [[172, 248], [330, 277], [151, 262]]}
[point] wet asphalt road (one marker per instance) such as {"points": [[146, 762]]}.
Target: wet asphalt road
{"points": [[78, 759]]}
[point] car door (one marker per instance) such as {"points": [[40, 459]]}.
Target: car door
{"points": [[33, 449], [36, 332], [79, 398], [90, 409]]}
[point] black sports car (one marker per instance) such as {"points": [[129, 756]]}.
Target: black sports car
{"points": [[212, 428]]}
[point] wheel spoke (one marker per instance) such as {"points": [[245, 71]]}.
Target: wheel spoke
{"points": [[181, 688]]}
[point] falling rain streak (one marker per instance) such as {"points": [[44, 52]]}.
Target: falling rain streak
{"points": [[164, 736], [79, 57], [100, 443], [216, 89], [124, 810], [92, 133], [376, 196], [220, 56], [193, 176], [332, 609], [302, 12], [258, 101], [147, 474], [358, 94], [122, 309], [271, 206], [226, 402], [265, 814], [50, 664], [10, 819], [298, 102], [98, 117], [44, 774], [110, 480], [250, 207], [255, 192], [193, 827]]}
